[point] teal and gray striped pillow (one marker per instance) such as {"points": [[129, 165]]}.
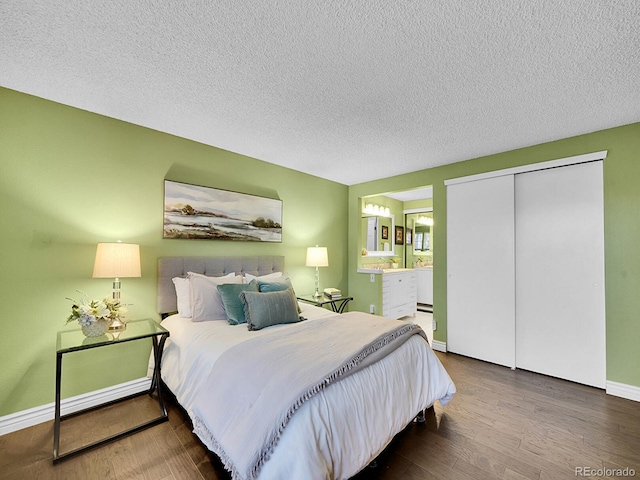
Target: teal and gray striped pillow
{"points": [[270, 308]]}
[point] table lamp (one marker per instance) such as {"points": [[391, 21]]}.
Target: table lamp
{"points": [[117, 260], [317, 257]]}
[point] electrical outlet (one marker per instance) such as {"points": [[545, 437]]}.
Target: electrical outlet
{"points": [[372, 278], [433, 324], [372, 308]]}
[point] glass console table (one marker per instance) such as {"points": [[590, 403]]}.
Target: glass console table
{"points": [[337, 304], [70, 341]]}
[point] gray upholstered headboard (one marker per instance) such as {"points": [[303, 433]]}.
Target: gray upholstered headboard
{"points": [[169, 267]]}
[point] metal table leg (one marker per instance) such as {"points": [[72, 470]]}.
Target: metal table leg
{"points": [[56, 422]]}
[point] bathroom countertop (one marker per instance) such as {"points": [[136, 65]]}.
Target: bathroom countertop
{"points": [[383, 270]]}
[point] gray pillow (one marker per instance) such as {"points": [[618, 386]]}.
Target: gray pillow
{"points": [[276, 286], [270, 308], [233, 306]]}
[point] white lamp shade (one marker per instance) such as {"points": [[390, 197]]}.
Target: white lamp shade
{"points": [[115, 260], [317, 257]]}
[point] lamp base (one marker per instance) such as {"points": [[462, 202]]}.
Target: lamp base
{"points": [[316, 295], [117, 325]]}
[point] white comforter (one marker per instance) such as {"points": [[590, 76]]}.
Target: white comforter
{"points": [[339, 430]]}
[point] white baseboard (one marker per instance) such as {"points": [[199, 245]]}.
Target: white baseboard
{"points": [[439, 346], [623, 390], [33, 416]]}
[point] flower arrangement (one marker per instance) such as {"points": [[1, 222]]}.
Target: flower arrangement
{"points": [[395, 260], [88, 312]]}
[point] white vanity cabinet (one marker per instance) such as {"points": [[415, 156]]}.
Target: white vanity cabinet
{"points": [[399, 293], [425, 285]]}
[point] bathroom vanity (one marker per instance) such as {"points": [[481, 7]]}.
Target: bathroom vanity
{"points": [[398, 287], [424, 278]]}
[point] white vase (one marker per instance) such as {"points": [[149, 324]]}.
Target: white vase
{"points": [[96, 329]]}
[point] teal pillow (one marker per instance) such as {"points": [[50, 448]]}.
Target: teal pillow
{"points": [[270, 308], [276, 286], [233, 306]]}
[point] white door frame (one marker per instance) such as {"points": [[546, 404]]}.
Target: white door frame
{"points": [[531, 167]]}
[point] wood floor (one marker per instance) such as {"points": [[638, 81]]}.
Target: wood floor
{"points": [[501, 424]]}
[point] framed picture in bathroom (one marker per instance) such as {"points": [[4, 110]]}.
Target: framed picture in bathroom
{"points": [[385, 232], [399, 235]]}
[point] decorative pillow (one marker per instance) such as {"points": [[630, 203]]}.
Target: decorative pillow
{"points": [[233, 306], [206, 303], [276, 286], [182, 296], [269, 276], [273, 308], [273, 285]]}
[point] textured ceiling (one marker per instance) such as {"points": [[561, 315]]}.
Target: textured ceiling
{"points": [[346, 90]]}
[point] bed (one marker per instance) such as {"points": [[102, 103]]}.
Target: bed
{"points": [[332, 428]]}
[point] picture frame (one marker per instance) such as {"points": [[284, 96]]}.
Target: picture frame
{"points": [[207, 213], [399, 235], [409, 236], [385, 232]]}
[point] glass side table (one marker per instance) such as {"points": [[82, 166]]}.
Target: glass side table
{"points": [[70, 341], [337, 304]]}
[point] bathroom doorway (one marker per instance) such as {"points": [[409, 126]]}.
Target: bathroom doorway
{"points": [[419, 253]]}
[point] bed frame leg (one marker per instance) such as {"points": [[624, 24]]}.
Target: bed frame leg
{"points": [[420, 417]]}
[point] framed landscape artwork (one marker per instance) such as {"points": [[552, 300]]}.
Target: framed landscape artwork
{"points": [[197, 212]]}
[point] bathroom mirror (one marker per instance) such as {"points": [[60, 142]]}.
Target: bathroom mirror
{"points": [[377, 233], [423, 224]]}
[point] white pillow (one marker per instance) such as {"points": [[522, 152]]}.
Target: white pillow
{"points": [[269, 276], [206, 302], [183, 294]]}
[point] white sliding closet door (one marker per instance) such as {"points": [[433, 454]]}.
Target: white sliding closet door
{"points": [[560, 313], [480, 270]]}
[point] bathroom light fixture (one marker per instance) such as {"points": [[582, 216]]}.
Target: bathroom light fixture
{"points": [[317, 257], [373, 209]]}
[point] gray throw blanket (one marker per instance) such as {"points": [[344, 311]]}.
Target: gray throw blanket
{"points": [[255, 387]]}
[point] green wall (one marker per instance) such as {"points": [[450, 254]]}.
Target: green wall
{"points": [[622, 232], [414, 204], [70, 179]]}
